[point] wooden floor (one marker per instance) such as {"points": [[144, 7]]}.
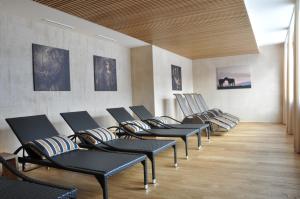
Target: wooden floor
{"points": [[252, 161]]}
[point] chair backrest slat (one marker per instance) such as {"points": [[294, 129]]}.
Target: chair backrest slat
{"points": [[80, 121], [183, 105], [191, 101], [120, 114], [141, 112], [32, 128], [205, 106], [199, 103]]}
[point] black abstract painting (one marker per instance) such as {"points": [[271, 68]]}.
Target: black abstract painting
{"points": [[51, 68], [176, 78], [105, 73]]}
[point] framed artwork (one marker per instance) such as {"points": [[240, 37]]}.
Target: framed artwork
{"points": [[51, 68], [105, 74], [233, 77], [176, 78]]}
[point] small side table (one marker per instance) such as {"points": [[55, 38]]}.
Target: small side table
{"points": [[13, 161]]}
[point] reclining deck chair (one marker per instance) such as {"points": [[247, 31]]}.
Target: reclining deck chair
{"points": [[94, 136], [26, 187], [46, 147], [198, 111], [217, 112], [163, 121], [139, 128], [191, 118]]}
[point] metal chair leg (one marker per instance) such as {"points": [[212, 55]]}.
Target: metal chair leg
{"points": [[104, 184], [186, 147], [199, 140], [144, 163], [152, 159], [175, 155]]}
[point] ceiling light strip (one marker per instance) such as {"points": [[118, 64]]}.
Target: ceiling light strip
{"points": [[59, 23], [105, 37]]}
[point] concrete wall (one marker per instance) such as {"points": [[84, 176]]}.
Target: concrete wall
{"points": [[152, 80], [142, 77], [261, 103], [165, 103], [17, 97]]}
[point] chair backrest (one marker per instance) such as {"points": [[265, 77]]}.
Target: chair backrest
{"points": [[32, 128], [141, 112], [120, 114], [199, 103], [80, 121], [192, 103], [204, 105], [183, 105]]}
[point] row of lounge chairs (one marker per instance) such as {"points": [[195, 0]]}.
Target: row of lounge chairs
{"points": [[196, 111], [97, 151]]}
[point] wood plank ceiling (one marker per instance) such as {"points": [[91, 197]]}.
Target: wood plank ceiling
{"points": [[191, 28]]}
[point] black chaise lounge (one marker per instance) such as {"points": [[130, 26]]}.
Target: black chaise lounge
{"points": [[197, 110], [101, 164], [191, 118], [26, 187], [163, 121], [82, 123], [125, 120], [216, 112]]}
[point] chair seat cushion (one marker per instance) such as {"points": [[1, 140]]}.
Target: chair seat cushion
{"points": [[99, 133], [136, 126], [55, 145]]}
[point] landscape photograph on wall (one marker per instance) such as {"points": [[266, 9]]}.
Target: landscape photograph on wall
{"points": [[51, 68], [176, 78], [233, 77], [105, 74]]}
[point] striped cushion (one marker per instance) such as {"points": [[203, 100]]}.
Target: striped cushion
{"points": [[160, 119], [134, 126], [55, 145], [100, 133]]}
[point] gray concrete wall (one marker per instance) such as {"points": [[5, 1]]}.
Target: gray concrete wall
{"points": [[142, 77], [261, 103], [165, 103], [17, 97], [152, 80]]}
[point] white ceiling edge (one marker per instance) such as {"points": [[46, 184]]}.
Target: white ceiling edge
{"points": [[38, 12], [270, 19]]}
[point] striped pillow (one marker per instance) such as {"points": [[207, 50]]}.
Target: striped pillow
{"points": [[160, 119], [100, 133], [134, 126], [55, 145]]}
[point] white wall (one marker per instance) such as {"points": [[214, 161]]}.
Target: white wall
{"points": [[17, 97], [261, 103], [165, 103]]}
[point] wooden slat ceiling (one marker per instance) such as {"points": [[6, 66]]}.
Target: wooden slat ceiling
{"points": [[191, 28]]}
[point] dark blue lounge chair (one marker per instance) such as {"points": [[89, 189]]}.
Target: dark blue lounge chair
{"points": [[124, 118], [101, 164], [29, 188], [81, 121], [162, 122]]}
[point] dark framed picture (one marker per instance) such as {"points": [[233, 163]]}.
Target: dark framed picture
{"points": [[176, 78], [233, 77], [105, 74], [51, 68]]}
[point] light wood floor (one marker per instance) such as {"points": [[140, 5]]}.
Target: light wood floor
{"points": [[252, 161]]}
